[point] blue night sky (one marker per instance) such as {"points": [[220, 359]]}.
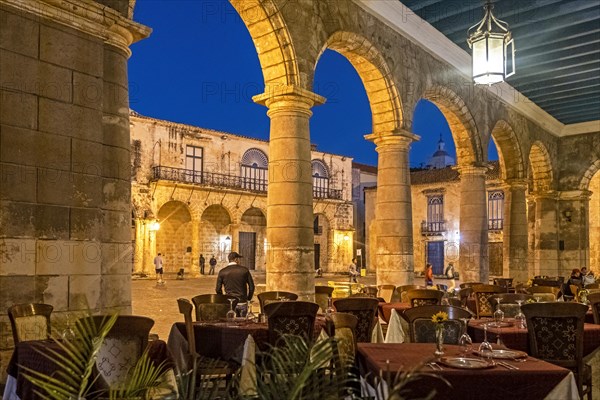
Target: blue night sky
{"points": [[200, 67]]}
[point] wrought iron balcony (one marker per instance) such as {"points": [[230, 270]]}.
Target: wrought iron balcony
{"points": [[433, 228], [226, 181], [495, 224]]}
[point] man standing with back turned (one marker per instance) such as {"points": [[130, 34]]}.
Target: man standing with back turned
{"points": [[237, 281]]}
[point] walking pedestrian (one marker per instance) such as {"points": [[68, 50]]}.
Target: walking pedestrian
{"points": [[212, 262], [158, 267]]}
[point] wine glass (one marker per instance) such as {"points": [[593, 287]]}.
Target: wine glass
{"points": [[520, 317], [250, 315], [498, 318], [485, 348], [231, 313], [329, 310], [465, 342], [68, 334]]}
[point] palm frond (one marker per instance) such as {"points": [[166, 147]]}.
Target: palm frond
{"points": [[143, 377]]}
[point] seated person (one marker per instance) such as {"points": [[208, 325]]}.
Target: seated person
{"points": [[587, 277], [574, 279]]}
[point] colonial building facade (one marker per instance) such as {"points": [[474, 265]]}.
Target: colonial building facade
{"points": [[199, 191]]}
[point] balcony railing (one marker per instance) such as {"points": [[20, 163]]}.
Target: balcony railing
{"points": [[226, 181], [433, 228], [495, 224]]}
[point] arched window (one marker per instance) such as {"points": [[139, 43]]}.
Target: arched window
{"points": [[320, 176], [254, 170], [495, 210]]}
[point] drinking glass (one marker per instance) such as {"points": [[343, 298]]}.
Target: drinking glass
{"points": [[231, 313], [68, 334], [520, 317], [485, 348], [329, 310], [465, 342], [250, 315], [498, 314]]}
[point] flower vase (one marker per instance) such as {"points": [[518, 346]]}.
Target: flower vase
{"points": [[439, 341]]}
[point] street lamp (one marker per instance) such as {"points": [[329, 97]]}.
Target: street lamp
{"points": [[493, 49]]}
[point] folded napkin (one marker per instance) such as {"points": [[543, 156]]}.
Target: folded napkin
{"points": [[395, 333], [377, 334], [248, 369]]}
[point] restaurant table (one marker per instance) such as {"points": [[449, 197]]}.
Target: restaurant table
{"points": [[385, 309], [516, 338], [535, 379], [30, 354], [224, 340]]}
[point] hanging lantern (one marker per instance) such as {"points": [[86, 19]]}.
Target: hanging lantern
{"points": [[493, 49]]}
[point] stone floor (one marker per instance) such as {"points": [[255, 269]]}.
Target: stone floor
{"points": [[159, 302]]}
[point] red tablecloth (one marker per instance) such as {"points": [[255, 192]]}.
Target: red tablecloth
{"points": [[534, 379], [224, 340], [30, 354], [517, 339], [385, 309]]}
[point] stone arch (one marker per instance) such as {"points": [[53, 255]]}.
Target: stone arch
{"points": [[469, 150], [272, 40], [255, 158], [253, 221], [175, 234], [584, 183], [215, 227], [512, 165], [541, 167], [373, 70]]}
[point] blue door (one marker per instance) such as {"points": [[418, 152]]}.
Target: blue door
{"points": [[435, 256]]}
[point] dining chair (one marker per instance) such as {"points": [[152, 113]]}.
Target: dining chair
{"points": [[122, 347], [30, 321], [386, 292], [290, 318], [370, 291], [556, 335], [424, 297], [205, 366], [342, 326], [594, 299], [268, 297], [482, 293], [363, 308], [322, 295], [557, 281], [399, 293], [212, 307], [508, 302], [442, 287], [505, 283], [464, 294], [422, 328], [544, 289], [469, 284], [592, 286]]}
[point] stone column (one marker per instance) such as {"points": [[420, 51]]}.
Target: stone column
{"points": [[290, 241], [393, 242], [515, 231], [573, 222], [546, 234], [473, 250], [196, 247]]}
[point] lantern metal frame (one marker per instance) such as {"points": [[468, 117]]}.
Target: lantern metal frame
{"points": [[491, 29]]}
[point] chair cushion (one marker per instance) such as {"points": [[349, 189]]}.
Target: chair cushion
{"points": [[116, 358], [33, 327], [556, 337]]}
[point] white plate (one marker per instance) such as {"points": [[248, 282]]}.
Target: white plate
{"points": [[505, 354], [465, 362]]}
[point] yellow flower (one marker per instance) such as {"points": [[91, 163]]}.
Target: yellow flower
{"points": [[439, 317]]}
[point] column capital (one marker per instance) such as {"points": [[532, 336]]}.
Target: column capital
{"points": [[574, 195], [89, 17], [472, 169], [548, 195], [515, 184], [288, 96], [397, 137]]}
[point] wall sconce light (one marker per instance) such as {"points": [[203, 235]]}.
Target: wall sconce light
{"points": [[567, 214], [227, 239], [346, 237], [154, 226]]}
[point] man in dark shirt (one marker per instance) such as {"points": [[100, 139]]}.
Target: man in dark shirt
{"points": [[237, 281]]}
